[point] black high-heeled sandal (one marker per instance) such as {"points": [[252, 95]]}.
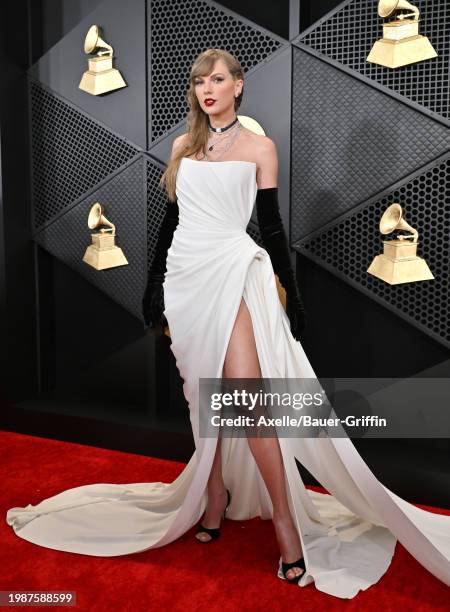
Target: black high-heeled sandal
{"points": [[285, 567], [214, 533]]}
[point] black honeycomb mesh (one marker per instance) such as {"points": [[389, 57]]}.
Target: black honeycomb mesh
{"points": [[179, 31], [347, 36], [348, 245], [70, 153], [349, 142]]}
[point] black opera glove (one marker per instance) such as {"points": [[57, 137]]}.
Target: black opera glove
{"points": [[276, 243], [153, 300]]}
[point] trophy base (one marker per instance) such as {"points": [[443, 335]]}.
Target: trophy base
{"points": [[396, 53], [101, 259], [97, 83], [396, 271]]}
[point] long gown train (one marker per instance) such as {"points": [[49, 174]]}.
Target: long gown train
{"points": [[348, 537]]}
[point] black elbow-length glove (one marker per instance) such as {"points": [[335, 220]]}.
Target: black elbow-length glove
{"points": [[153, 300], [276, 244]]}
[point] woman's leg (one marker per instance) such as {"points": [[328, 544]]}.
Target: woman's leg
{"points": [[217, 497], [241, 361]]}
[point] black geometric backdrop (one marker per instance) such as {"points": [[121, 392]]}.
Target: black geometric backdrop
{"points": [[124, 194], [361, 135], [349, 141], [181, 29], [364, 136], [348, 244], [347, 36], [71, 152]]}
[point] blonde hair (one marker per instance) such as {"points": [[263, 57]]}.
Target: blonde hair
{"points": [[197, 120]]}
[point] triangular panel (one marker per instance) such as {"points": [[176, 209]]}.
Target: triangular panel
{"points": [[347, 34], [125, 199], [347, 246], [349, 141], [71, 153], [61, 68]]}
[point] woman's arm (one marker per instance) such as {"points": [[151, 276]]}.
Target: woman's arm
{"points": [[267, 164], [153, 300], [273, 234]]}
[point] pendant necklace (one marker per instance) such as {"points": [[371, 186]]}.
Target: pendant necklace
{"points": [[228, 136]]}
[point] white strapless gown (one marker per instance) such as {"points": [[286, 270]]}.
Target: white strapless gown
{"points": [[348, 537]]}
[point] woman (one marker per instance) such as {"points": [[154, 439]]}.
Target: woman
{"points": [[226, 135], [216, 289]]}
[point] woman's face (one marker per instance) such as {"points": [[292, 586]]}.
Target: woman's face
{"points": [[218, 86]]}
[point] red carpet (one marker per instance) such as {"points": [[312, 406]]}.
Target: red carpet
{"points": [[238, 572]]}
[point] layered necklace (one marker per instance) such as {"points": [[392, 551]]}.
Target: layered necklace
{"points": [[221, 139]]}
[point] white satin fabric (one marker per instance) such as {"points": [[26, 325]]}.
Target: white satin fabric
{"points": [[348, 537]]}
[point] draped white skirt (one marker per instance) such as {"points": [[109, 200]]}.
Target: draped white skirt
{"points": [[348, 537]]}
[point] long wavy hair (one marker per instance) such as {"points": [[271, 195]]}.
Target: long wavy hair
{"points": [[197, 120]]}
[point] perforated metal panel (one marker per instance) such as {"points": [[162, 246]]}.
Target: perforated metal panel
{"points": [[125, 200], [181, 29], [349, 141], [348, 245], [347, 36], [70, 153]]}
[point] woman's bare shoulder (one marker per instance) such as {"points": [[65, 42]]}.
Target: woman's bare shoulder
{"points": [[265, 155], [265, 145], [260, 147]]}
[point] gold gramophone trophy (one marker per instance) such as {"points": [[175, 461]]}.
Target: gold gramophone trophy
{"points": [[399, 262], [101, 76], [103, 252], [401, 43]]}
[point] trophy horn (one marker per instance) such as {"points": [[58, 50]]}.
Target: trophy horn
{"points": [[94, 41], [97, 218], [388, 7], [392, 219]]}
